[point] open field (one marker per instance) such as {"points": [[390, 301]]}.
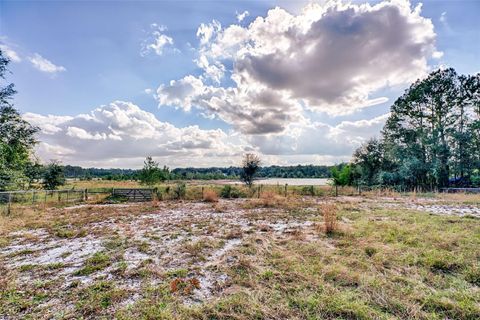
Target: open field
{"points": [[388, 257]]}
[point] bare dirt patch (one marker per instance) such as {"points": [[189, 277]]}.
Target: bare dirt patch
{"points": [[178, 243]]}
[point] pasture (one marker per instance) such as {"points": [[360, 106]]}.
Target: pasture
{"points": [[384, 256]]}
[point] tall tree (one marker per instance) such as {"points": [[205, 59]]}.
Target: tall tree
{"points": [[17, 136], [432, 136]]}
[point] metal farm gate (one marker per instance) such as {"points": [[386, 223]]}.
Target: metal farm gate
{"points": [[135, 195]]}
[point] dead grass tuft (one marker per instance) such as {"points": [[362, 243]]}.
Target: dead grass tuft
{"points": [[184, 286], [329, 212], [210, 195]]}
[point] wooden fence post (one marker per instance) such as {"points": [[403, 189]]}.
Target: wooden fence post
{"points": [[33, 197], [286, 187], [9, 203]]}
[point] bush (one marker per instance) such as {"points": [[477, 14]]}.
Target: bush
{"points": [[228, 192], [308, 191], [210, 196], [179, 191]]}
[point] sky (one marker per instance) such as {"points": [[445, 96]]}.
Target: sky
{"points": [[200, 83]]}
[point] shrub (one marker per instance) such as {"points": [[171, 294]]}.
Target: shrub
{"points": [[226, 191], [308, 191], [179, 191], [329, 212], [210, 196], [231, 192]]}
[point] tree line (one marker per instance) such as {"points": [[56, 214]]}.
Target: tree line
{"points": [[431, 139]]}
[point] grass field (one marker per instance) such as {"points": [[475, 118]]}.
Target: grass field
{"points": [[385, 257]]}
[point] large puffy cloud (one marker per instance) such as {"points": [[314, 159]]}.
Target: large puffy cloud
{"points": [[255, 110], [122, 134], [331, 58]]}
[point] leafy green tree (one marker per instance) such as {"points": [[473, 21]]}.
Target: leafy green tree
{"points": [[341, 176], [17, 136], [250, 166], [151, 172], [368, 160], [34, 172], [53, 176], [431, 138]]}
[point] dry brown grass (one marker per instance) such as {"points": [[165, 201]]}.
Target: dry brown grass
{"points": [[467, 198], [210, 195], [329, 212], [268, 199]]}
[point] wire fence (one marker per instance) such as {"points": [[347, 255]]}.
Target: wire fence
{"points": [[9, 200]]}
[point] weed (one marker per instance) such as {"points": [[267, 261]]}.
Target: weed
{"points": [[95, 299], [27, 267], [97, 262], [370, 251]]}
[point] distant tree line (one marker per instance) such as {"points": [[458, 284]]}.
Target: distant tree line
{"points": [[431, 139], [212, 173]]}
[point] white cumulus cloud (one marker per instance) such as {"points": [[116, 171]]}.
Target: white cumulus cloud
{"points": [[242, 16], [157, 40], [45, 65]]}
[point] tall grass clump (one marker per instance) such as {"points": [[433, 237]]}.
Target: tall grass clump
{"points": [[329, 212]]}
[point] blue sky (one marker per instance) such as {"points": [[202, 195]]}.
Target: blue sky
{"points": [[98, 54]]}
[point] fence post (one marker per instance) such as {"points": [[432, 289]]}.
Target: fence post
{"points": [[86, 194], [336, 191], [33, 197], [9, 203], [286, 187], [202, 192]]}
